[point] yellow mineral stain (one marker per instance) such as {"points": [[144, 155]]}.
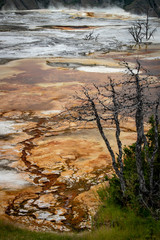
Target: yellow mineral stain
{"points": [[59, 161], [61, 84]]}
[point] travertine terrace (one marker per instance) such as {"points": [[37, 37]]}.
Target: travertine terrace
{"points": [[50, 170]]}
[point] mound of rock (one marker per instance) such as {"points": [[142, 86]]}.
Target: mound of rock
{"points": [[142, 6]]}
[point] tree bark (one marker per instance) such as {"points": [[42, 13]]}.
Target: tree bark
{"points": [[114, 163], [140, 133]]}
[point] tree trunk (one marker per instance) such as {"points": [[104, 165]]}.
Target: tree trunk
{"points": [[101, 131], [140, 134]]}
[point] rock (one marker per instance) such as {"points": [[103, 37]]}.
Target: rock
{"points": [[24, 4], [89, 199], [2, 2], [86, 3], [22, 212], [42, 215], [54, 188], [69, 157], [28, 204], [141, 6], [46, 215], [21, 5], [60, 211], [50, 171], [43, 3], [86, 224], [56, 218], [61, 228], [46, 201], [66, 176], [42, 204], [13, 114], [43, 180]]}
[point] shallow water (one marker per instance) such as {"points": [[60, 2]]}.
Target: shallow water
{"points": [[62, 32]]}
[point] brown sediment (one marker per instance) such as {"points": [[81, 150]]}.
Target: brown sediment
{"points": [[64, 192], [31, 85], [63, 164], [153, 66]]}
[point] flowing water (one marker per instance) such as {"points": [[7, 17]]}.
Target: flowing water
{"points": [[65, 32]]}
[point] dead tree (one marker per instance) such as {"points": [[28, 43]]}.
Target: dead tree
{"points": [[148, 30], [109, 103], [136, 31], [142, 30], [141, 105], [91, 36], [101, 107]]}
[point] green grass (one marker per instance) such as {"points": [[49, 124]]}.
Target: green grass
{"points": [[124, 224], [12, 232], [111, 223]]}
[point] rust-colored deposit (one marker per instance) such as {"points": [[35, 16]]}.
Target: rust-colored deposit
{"points": [[70, 28], [51, 170]]}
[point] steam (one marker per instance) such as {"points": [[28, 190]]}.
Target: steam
{"points": [[108, 10], [105, 4]]}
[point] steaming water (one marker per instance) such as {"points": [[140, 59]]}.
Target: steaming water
{"points": [[9, 177], [30, 34]]}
